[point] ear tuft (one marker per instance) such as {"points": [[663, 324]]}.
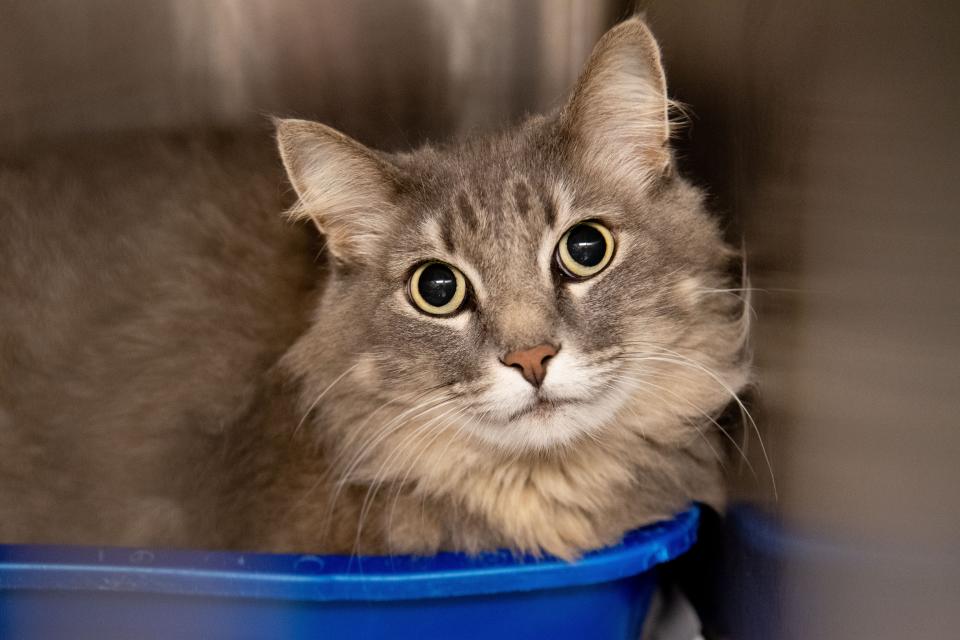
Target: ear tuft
{"points": [[618, 116], [344, 187]]}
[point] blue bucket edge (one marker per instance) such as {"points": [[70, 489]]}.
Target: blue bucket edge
{"points": [[335, 578]]}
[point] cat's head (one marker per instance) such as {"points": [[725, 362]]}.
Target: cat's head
{"points": [[526, 291]]}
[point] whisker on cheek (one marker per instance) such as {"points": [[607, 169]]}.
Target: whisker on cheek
{"points": [[658, 353], [396, 424], [320, 396], [412, 465], [385, 468], [696, 408]]}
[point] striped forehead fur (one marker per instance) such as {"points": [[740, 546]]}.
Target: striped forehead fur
{"points": [[520, 209]]}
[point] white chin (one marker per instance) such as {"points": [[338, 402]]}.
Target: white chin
{"points": [[545, 427]]}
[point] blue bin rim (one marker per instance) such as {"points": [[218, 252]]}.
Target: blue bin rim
{"points": [[333, 578]]}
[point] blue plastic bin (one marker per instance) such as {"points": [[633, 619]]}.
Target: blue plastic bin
{"points": [[51, 593]]}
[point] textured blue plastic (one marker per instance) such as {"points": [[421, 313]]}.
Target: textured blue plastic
{"points": [[88, 592]]}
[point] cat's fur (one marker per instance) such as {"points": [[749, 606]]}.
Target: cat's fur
{"points": [[180, 366]]}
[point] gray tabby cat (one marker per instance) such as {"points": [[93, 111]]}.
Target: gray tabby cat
{"points": [[513, 341]]}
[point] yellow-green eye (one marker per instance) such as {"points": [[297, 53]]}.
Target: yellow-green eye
{"points": [[437, 288], [585, 250]]}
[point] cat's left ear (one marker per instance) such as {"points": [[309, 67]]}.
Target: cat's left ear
{"points": [[344, 187], [617, 118]]}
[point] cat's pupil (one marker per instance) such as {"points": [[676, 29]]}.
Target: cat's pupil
{"points": [[586, 245], [437, 284]]}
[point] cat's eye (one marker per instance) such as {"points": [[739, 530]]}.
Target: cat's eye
{"points": [[437, 288], [585, 250]]}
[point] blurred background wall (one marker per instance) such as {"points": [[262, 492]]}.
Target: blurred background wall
{"points": [[390, 72], [830, 130], [826, 132]]}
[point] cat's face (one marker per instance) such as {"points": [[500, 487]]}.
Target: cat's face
{"points": [[527, 290], [496, 231]]}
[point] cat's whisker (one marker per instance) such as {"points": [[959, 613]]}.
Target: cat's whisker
{"points": [[632, 410], [421, 402], [319, 397], [359, 430], [473, 419], [741, 447], [706, 415], [608, 385], [396, 424], [413, 464], [733, 289], [370, 445], [409, 440], [746, 299], [696, 427], [684, 361], [381, 475], [325, 477], [333, 463], [347, 445]]}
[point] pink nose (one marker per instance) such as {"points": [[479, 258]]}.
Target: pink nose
{"points": [[532, 362]]}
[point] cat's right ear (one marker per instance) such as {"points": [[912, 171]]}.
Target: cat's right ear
{"points": [[617, 118], [343, 186]]}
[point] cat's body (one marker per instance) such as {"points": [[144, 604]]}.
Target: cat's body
{"points": [[180, 366], [147, 285]]}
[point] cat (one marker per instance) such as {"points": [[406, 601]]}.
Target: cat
{"points": [[517, 340]]}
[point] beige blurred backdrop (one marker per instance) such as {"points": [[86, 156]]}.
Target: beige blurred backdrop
{"points": [[831, 132], [826, 132]]}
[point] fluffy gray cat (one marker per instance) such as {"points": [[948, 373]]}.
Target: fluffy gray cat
{"points": [[520, 340]]}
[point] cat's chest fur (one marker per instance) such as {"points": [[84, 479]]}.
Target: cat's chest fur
{"points": [[286, 491]]}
